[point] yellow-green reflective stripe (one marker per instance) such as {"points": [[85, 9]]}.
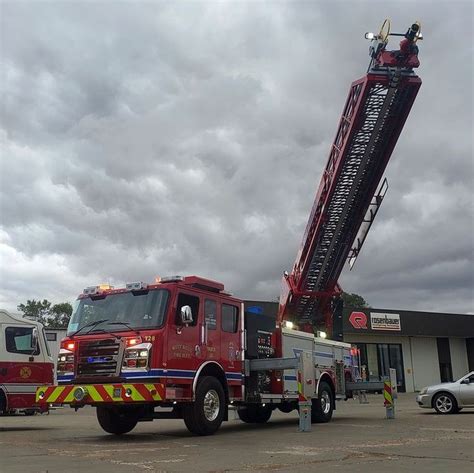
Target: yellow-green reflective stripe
{"points": [[110, 391], [151, 388], [136, 396], [55, 394], [69, 397], [93, 393]]}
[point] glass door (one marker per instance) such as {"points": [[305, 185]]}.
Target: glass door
{"points": [[390, 356]]}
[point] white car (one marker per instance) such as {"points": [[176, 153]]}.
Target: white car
{"points": [[448, 398]]}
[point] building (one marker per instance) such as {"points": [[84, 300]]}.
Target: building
{"points": [[424, 347]]}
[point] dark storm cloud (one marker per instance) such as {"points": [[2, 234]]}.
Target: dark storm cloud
{"points": [[152, 139]]}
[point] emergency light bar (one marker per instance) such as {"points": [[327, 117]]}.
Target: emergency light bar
{"points": [[135, 286], [170, 279], [91, 290]]}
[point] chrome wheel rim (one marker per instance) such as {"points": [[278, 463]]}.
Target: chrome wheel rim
{"points": [[325, 402], [211, 405], [444, 404]]}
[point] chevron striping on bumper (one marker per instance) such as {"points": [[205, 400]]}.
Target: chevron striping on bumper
{"points": [[101, 393]]}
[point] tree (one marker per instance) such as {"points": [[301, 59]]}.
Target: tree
{"points": [[60, 315], [354, 301], [36, 310], [56, 316]]}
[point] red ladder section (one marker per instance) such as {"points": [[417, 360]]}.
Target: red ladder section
{"points": [[373, 117]]}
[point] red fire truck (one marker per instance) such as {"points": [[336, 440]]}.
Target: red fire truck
{"points": [[25, 363], [185, 348]]}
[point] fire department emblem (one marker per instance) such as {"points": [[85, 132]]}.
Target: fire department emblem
{"points": [[25, 372]]}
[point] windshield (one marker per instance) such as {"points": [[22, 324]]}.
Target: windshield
{"points": [[144, 309]]}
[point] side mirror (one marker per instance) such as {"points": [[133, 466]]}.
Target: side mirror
{"points": [[186, 315], [34, 341], [466, 381]]}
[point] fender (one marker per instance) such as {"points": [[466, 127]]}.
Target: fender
{"points": [[198, 372], [323, 377]]}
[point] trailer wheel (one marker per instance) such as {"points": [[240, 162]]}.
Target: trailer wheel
{"points": [[117, 420], [205, 415], [322, 407], [255, 414]]}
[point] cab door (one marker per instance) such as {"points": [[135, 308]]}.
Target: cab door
{"points": [[185, 340], [24, 364]]}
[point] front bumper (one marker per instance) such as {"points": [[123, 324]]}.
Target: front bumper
{"points": [[93, 394], [424, 400]]}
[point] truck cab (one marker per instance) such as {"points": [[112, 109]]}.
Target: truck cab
{"points": [[152, 343], [25, 363]]}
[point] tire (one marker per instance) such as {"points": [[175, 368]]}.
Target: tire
{"points": [[445, 403], [255, 414], [29, 412], [3, 403], [205, 415], [287, 407], [322, 407], [117, 420]]}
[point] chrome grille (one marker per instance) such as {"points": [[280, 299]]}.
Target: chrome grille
{"points": [[99, 358]]}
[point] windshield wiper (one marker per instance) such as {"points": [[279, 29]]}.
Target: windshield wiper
{"points": [[103, 330], [126, 325], [91, 324]]}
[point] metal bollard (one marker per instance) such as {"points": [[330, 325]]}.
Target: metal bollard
{"points": [[388, 400], [305, 376], [305, 416]]}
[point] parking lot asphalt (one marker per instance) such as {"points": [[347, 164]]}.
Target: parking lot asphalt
{"points": [[358, 439]]}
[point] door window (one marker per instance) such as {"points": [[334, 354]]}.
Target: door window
{"points": [[210, 314], [21, 340], [191, 301], [230, 318]]}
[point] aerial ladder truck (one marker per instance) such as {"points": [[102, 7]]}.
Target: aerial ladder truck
{"points": [[183, 347]]}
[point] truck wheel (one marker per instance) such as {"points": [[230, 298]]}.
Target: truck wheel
{"points": [[287, 407], [322, 407], [116, 420], [205, 415], [255, 414]]}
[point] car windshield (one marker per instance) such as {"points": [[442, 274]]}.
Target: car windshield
{"points": [[143, 309], [469, 376]]}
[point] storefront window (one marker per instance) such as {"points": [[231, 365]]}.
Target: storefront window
{"points": [[376, 359]]}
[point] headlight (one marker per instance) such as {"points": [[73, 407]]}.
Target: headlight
{"points": [[65, 361], [424, 391], [136, 357]]}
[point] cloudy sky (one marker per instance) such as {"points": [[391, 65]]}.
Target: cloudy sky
{"points": [[144, 139]]}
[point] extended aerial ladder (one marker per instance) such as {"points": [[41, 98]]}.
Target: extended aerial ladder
{"points": [[347, 198]]}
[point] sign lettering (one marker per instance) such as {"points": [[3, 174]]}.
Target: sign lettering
{"points": [[381, 321]]}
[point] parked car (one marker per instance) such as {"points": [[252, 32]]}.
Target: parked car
{"points": [[448, 398]]}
